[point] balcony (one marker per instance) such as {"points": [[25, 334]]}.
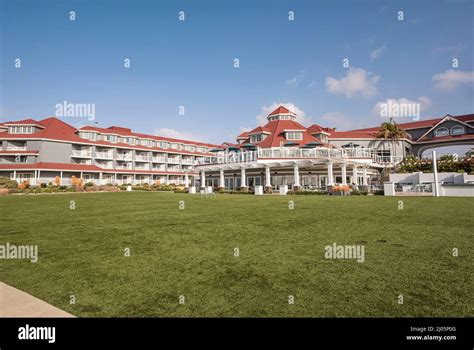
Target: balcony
{"points": [[124, 156], [125, 166], [105, 165], [16, 148], [104, 155], [188, 161], [142, 168], [173, 160], [174, 168], [163, 168], [142, 158], [159, 159], [82, 153]]}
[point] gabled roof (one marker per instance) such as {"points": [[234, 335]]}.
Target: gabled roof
{"points": [[277, 135], [446, 118], [427, 123], [28, 121], [281, 110], [259, 129], [317, 129]]}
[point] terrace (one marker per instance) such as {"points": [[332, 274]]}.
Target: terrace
{"points": [[368, 155]]}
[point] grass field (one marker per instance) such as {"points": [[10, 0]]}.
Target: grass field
{"points": [[190, 252]]}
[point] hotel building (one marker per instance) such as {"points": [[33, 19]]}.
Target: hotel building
{"points": [[280, 153]]}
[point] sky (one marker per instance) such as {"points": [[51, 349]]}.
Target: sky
{"points": [[191, 63]]}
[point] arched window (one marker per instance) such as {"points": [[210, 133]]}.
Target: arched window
{"points": [[457, 130], [441, 132]]}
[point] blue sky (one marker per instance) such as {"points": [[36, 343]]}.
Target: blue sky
{"points": [[190, 63]]}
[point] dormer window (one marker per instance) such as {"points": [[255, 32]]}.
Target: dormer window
{"points": [[457, 130], [441, 132], [21, 130], [256, 138], [294, 135]]}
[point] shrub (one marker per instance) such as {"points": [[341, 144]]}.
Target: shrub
{"points": [[57, 181], [89, 184], [77, 183], [5, 182], [43, 185]]}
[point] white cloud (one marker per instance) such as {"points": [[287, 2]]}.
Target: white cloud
{"points": [[296, 80], [451, 79], [356, 82], [377, 53], [423, 102], [266, 110], [175, 134], [337, 120]]}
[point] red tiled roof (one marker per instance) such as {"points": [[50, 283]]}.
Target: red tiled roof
{"points": [[50, 166], [56, 129], [19, 152], [281, 110], [427, 123], [128, 132], [258, 129], [446, 138], [80, 167], [277, 135], [245, 134], [315, 128], [353, 134], [25, 122]]}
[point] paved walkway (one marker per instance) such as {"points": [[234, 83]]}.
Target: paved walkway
{"points": [[16, 303]]}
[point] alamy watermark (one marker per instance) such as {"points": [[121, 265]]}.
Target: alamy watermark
{"points": [[75, 110], [394, 109], [12, 251], [336, 251]]}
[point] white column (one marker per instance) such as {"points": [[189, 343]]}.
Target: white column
{"points": [[61, 177], [203, 179], [365, 177], [242, 178], [344, 174], [330, 175], [14, 175], [221, 179], [186, 180], [435, 171], [100, 178], [354, 174], [268, 181], [296, 175]]}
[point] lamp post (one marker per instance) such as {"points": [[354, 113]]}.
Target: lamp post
{"points": [[435, 171]]}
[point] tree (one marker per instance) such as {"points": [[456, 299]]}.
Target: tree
{"points": [[391, 131]]}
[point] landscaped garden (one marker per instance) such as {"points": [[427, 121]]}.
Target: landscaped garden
{"points": [[241, 255]]}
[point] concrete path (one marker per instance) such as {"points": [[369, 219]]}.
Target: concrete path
{"points": [[16, 303]]}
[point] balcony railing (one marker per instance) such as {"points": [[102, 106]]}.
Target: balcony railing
{"points": [[104, 155], [108, 165], [83, 153], [124, 156], [299, 153], [159, 159], [142, 158], [174, 160], [188, 161], [16, 148]]}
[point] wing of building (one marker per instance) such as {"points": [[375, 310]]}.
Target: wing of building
{"points": [[282, 152]]}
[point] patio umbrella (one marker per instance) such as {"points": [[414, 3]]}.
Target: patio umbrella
{"points": [[312, 144], [350, 145], [232, 148], [215, 150], [288, 144], [248, 145]]}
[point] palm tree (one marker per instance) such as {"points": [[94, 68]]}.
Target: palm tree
{"points": [[391, 131]]}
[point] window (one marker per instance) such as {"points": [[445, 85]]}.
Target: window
{"points": [[93, 136], [294, 135], [441, 132], [21, 129], [85, 135], [256, 138], [111, 138], [457, 130]]}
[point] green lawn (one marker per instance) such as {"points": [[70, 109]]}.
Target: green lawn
{"points": [[190, 252]]}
